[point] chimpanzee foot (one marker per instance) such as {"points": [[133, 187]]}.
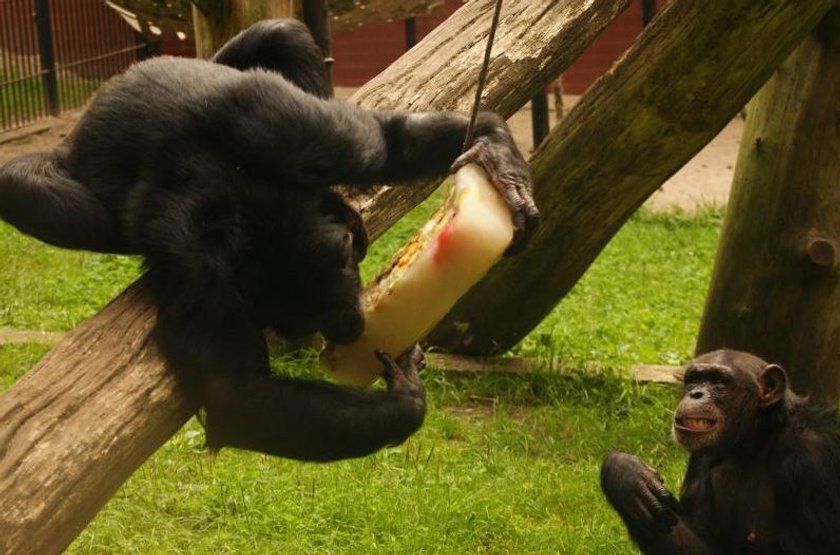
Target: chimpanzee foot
{"points": [[402, 375], [509, 175]]}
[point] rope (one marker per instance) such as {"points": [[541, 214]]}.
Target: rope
{"points": [[482, 77]]}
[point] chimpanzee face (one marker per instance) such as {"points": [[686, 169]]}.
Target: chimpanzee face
{"points": [[702, 418], [306, 279], [722, 398]]}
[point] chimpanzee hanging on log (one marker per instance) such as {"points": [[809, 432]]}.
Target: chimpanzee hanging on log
{"points": [[218, 173], [763, 475]]}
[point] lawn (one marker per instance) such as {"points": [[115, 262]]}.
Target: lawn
{"points": [[503, 464], [22, 97]]}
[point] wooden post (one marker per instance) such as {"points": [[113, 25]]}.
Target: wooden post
{"points": [[316, 15], [216, 21], [689, 73], [78, 424], [776, 285]]}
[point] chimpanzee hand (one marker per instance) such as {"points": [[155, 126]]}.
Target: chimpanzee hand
{"points": [[637, 492], [403, 381], [494, 150], [402, 375]]}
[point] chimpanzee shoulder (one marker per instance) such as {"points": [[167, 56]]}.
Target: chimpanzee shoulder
{"points": [[807, 481]]}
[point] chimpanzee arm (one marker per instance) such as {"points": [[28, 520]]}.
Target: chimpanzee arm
{"points": [[650, 512], [315, 142], [220, 356], [406, 146], [40, 198], [316, 421]]}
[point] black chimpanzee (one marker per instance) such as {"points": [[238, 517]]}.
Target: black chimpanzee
{"points": [[763, 475], [218, 173]]}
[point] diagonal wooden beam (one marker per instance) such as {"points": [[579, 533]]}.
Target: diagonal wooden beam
{"points": [[695, 66], [79, 423]]}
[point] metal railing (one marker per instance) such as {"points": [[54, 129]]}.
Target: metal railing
{"points": [[54, 54]]}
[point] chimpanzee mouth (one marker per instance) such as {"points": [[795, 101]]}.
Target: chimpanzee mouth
{"points": [[700, 425]]}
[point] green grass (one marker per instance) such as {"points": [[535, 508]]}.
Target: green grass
{"points": [[24, 100], [503, 464], [47, 288]]}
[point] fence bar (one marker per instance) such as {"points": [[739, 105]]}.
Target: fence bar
{"points": [[539, 118], [47, 54]]}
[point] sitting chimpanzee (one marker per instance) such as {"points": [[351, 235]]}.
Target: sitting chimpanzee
{"points": [[218, 173], [763, 475]]}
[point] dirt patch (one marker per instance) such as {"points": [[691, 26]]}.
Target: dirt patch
{"points": [[43, 135]]}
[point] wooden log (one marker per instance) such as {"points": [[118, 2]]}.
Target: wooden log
{"points": [[775, 288], [79, 423], [689, 73], [536, 41], [216, 21]]}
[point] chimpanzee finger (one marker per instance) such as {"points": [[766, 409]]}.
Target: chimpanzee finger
{"points": [[411, 362], [661, 519], [643, 520], [412, 358], [526, 219], [668, 500], [390, 368]]}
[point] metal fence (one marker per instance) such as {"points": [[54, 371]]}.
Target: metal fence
{"points": [[54, 54]]}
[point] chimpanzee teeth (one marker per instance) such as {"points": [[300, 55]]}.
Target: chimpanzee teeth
{"points": [[697, 423]]}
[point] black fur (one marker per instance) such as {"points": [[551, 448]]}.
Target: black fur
{"points": [[218, 173], [764, 480]]}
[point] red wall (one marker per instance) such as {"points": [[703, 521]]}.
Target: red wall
{"points": [[81, 30], [362, 53]]}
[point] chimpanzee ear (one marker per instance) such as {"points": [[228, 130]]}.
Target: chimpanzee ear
{"points": [[772, 383]]}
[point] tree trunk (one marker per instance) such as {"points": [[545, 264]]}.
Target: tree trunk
{"points": [[80, 422], [775, 289], [216, 21], [689, 73]]}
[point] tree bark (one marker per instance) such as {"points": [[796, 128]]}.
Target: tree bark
{"points": [[217, 21], [775, 288], [689, 73], [80, 422]]}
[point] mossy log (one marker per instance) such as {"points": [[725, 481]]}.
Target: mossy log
{"points": [[693, 68], [79, 423], [775, 289]]}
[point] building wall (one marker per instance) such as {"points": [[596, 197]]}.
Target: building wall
{"points": [[363, 53]]}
